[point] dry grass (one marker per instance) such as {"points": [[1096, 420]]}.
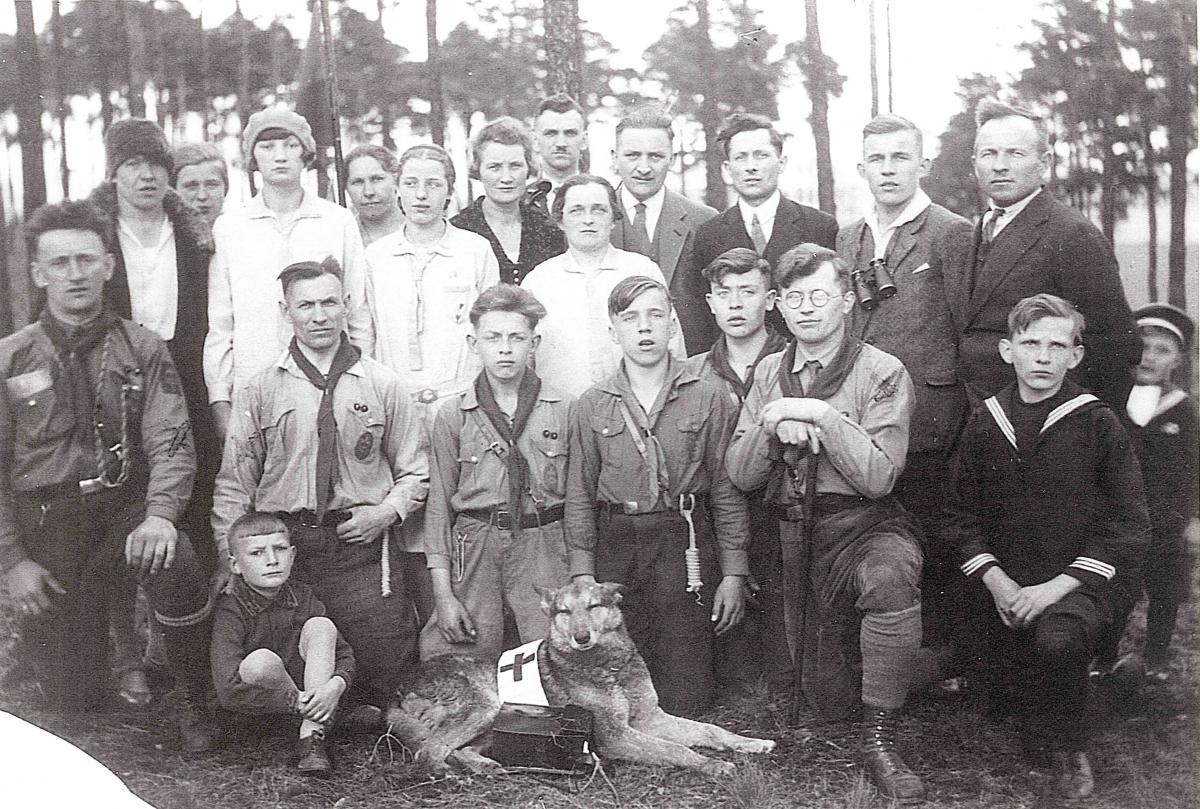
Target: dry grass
{"points": [[1145, 757]]}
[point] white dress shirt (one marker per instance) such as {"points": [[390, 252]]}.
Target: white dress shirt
{"points": [[882, 235], [1010, 212], [765, 213], [152, 276]]}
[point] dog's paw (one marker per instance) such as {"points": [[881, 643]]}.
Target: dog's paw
{"points": [[715, 768], [749, 745]]}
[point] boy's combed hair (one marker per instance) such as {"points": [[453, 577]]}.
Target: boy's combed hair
{"points": [[506, 131], [305, 270], [647, 116], [748, 122], [256, 524], [888, 122], [560, 202], [68, 215], [385, 157], [737, 261], [630, 289], [429, 151], [508, 298], [1028, 311], [805, 259]]}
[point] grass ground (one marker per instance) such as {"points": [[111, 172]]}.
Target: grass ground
{"points": [[1145, 757]]}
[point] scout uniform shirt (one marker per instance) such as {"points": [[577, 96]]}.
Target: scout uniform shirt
{"points": [[270, 459], [692, 421], [39, 446], [469, 475]]}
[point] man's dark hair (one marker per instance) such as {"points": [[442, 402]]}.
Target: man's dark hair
{"points": [[647, 116], [747, 122], [560, 201], [989, 109], [386, 158], [805, 259], [305, 270], [67, 215], [887, 122], [560, 102], [507, 131], [508, 298], [737, 261], [630, 289]]}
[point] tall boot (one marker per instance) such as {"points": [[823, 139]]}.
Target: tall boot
{"points": [[883, 765], [187, 649]]}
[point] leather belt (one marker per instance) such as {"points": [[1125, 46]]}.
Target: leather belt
{"points": [[502, 518], [308, 518], [425, 396], [826, 504], [634, 508]]}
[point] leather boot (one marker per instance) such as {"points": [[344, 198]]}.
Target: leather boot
{"points": [[883, 765], [187, 648], [196, 732], [313, 755]]}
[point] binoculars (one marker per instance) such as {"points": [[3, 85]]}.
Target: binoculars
{"points": [[873, 284]]}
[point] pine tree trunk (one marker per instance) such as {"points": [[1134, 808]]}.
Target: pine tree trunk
{"points": [[820, 110], [1151, 184], [28, 108], [59, 98], [1179, 123], [437, 104], [564, 49], [710, 118]]}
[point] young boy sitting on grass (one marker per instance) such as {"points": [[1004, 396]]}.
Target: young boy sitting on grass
{"points": [[1048, 505], [270, 633]]}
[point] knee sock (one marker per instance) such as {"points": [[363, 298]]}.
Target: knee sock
{"points": [[889, 642]]}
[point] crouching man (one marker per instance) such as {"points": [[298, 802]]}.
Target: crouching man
{"points": [[825, 428], [98, 465]]}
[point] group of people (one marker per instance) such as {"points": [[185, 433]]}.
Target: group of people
{"points": [[325, 445]]}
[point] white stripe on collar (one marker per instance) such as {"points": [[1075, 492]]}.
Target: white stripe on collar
{"points": [[1053, 417]]}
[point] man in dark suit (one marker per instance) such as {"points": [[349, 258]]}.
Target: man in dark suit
{"points": [[1027, 242], [762, 219], [659, 223], [561, 127], [906, 231]]}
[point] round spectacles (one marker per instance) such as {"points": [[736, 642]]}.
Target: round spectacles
{"points": [[819, 297]]}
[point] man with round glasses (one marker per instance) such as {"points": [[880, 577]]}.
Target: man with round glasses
{"points": [[825, 429]]}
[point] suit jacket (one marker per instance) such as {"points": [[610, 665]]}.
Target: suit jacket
{"points": [[915, 324], [794, 224], [1048, 247], [675, 244]]}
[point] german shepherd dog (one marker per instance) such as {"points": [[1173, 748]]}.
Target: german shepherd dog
{"points": [[588, 660]]}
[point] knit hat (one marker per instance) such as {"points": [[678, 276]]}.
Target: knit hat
{"points": [[1166, 316], [275, 119], [136, 137]]}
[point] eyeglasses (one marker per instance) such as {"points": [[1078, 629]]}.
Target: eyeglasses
{"points": [[60, 267], [819, 297]]}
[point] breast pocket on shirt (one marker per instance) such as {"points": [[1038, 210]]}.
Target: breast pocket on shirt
{"points": [[550, 460], [613, 445], [362, 433], [31, 400], [688, 429], [458, 298], [271, 444]]}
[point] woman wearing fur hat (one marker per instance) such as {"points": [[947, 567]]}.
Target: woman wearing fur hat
{"points": [[282, 225], [160, 281]]}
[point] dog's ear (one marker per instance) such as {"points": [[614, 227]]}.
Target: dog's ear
{"points": [[614, 591]]}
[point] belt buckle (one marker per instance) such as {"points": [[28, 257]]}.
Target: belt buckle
{"points": [[503, 519], [427, 396]]}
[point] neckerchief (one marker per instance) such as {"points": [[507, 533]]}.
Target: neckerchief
{"points": [[719, 357], [345, 357], [74, 384], [518, 466], [823, 385]]}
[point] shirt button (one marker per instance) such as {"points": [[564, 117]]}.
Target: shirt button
{"points": [[604, 431], [474, 459], [545, 433]]}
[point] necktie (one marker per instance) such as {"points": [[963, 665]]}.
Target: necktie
{"points": [[416, 312], [989, 228], [757, 236], [639, 235]]}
